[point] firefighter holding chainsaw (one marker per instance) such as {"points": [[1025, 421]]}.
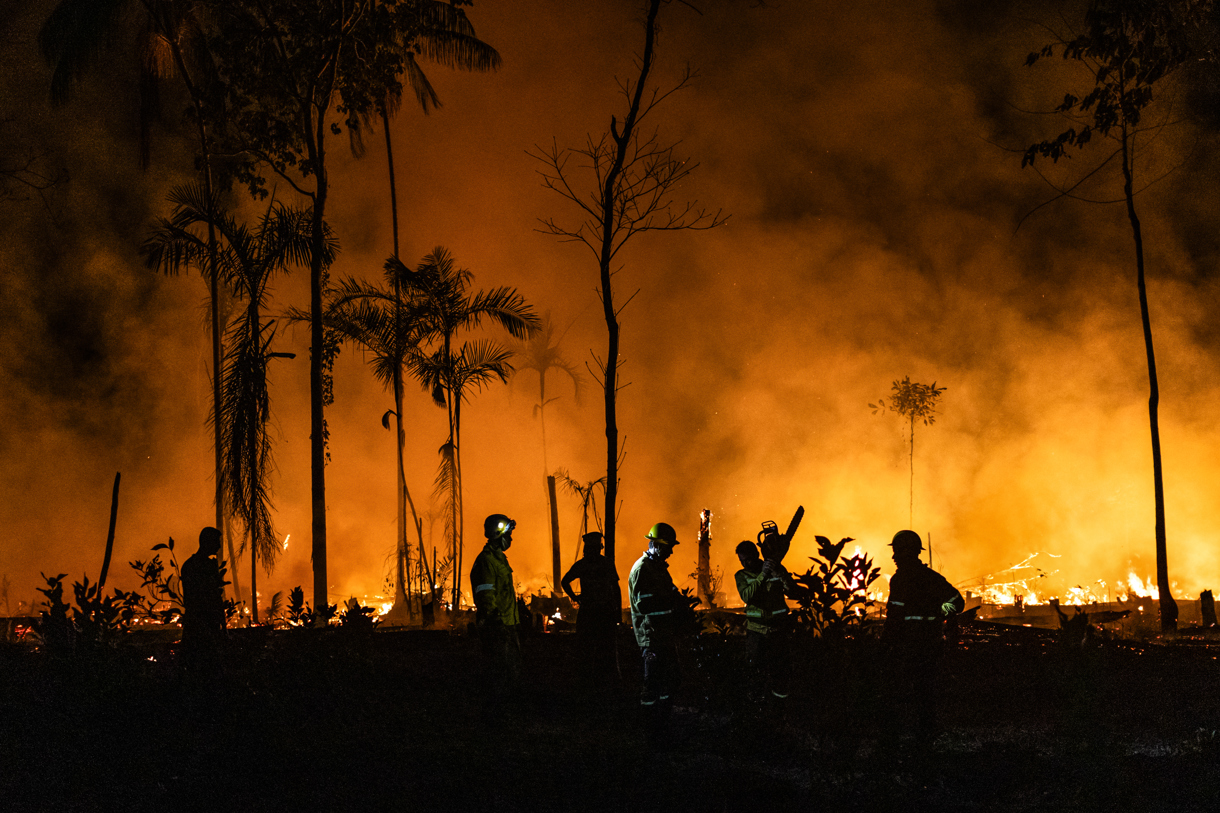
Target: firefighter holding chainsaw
{"points": [[762, 584]]}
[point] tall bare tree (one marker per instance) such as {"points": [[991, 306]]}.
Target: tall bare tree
{"points": [[621, 181]]}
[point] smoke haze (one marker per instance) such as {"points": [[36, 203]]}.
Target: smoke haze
{"points": [[860, 150]]}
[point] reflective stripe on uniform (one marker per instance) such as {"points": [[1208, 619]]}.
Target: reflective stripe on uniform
{"points": [[483, 587]]}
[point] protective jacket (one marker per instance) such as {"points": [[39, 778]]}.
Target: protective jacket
{"points": [[655, 601], [495, 599], [764, 597], [916, 607], [598, 583]]}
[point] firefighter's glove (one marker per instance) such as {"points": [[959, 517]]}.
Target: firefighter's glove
{"points": [[768, 568], [948, 608]]}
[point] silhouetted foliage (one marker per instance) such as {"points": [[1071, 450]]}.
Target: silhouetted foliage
{"points": [[835, 600], [95, 622], [292, 71], [162, 586], [443, 303], [913, 401], [300, 615]]}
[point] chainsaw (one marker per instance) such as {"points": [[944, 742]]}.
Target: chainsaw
{"points": [[772, 543]]}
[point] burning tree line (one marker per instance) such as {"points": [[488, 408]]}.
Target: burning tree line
{"points": [[263, 88]]}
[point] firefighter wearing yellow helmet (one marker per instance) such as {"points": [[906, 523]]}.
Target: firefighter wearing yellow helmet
{"points": [[495, 601], [656, 606]]}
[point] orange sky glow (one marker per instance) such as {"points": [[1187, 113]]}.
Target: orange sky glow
{"points": [[861, 154]]}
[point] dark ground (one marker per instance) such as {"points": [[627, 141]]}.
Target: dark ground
{"points": [[399, 720]]}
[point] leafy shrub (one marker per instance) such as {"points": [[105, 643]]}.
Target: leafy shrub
{"points": [[357, 618], [95, 622], [300, 614], [835, 602]]}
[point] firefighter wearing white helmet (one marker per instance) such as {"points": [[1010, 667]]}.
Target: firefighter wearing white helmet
{"points": [[495, 601], [655, 607], [920, 601]]}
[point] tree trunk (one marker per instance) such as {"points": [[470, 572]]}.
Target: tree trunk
{"points": [[400, 592], [1207, 608], [253, 575], [114, 515], [317, 420], [214, 303], [555, 564], [458, 508], [1169, 607], [609, 208], [703, 567], [389, 157], [253, 470], [404, 494], [911, 493]]}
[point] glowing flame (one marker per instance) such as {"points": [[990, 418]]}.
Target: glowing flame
{"points": [[1014, 585], [286, 537], [1140, 588]]}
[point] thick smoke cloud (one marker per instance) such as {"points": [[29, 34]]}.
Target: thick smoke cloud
{"points": [[860, 150]]}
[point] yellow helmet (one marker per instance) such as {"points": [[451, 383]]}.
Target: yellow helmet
{"points": [[663, 532]]}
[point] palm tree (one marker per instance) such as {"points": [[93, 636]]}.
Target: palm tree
{"points": [[77, 38], [376, 319], [541, 353], [248, 261], [587, 493], [445, 305], [450, 377], [443, 35]]}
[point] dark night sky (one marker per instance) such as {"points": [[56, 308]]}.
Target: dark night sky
{"points": [[865, 153]]}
